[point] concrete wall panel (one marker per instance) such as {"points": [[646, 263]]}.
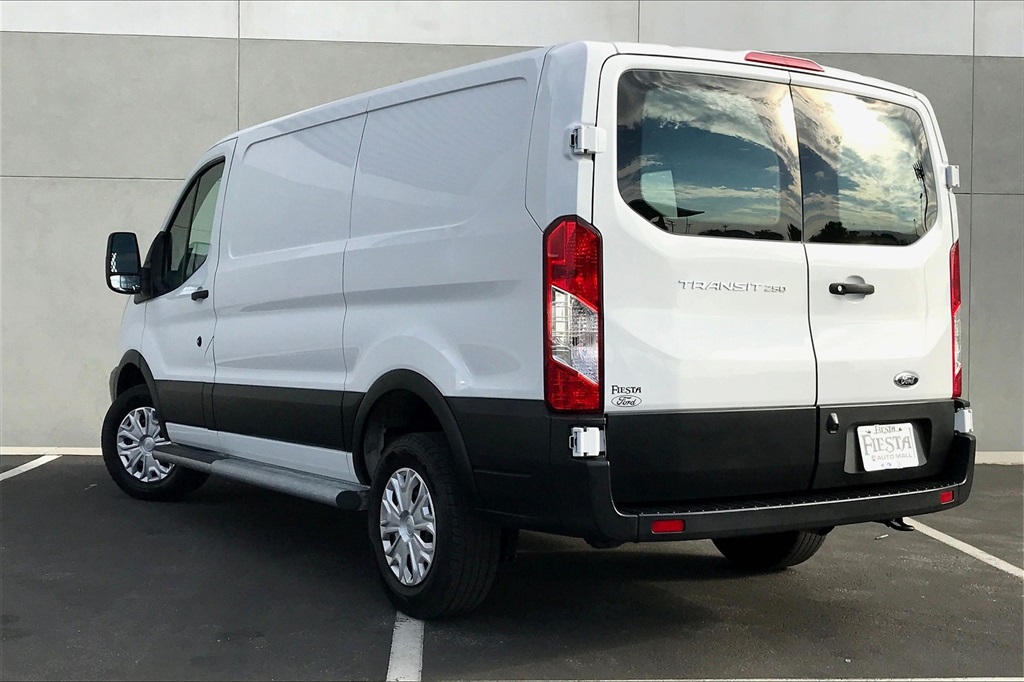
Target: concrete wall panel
{"points": [[60, 323], [201, 18], [874, 26], [123, 100], [271, 86], [113, 106], [999, 125], [997, 312], [999, 28], [496, 22]]}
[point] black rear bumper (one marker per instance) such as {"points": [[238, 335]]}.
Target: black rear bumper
{"points": [[526, 478], [784, 512]]}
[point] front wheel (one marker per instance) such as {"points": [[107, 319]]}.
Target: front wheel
{"points": [[772, 551], [436, 556], [131, 431]]}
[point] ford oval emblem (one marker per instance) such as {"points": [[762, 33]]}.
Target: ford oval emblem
{"points": [[905, 379], [626, 401]]}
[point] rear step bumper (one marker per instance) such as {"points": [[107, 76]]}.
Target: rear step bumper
{"points": [[815, 509]]}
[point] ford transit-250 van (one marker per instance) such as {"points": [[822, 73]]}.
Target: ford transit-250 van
{"points": [[620, 292]]}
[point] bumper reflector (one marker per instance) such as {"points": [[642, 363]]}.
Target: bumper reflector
{"points": [[668, 526], [945, 497]]}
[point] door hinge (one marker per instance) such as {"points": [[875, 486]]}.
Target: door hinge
{"points": [[586, 139], [963, 420], [586, 441], [952, 176]]}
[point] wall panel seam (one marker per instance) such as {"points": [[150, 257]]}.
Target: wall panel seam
{"points": [[113, 35], [85, 177], [522, 48], [238, 65], [995, 194], [970, 211]]}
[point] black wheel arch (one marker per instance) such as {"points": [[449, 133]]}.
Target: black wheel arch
{"points": [[409, 382], [133, 370]]}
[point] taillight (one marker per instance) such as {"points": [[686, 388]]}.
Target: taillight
{"points": [[954, 307], [572, 316]]}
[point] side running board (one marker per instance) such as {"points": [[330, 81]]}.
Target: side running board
{"points": [[340, 494]]}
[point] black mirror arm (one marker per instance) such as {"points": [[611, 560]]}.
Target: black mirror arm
{"points": [[145, 281]]}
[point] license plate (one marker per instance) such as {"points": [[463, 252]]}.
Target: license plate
{"points": [[887, 446]]}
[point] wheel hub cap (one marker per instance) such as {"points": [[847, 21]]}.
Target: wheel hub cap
{"points": [[137, 437], [407, 526]]}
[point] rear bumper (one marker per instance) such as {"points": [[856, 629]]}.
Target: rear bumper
{"points": [[526, 477], [781, 513]]}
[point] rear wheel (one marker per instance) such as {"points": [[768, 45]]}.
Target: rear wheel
{"points": [[773, 551], [131, 432], [436, 556]]}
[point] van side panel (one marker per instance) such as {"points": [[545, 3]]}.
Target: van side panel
{"points": [[559, 182], [280, 306], [442, 273]]}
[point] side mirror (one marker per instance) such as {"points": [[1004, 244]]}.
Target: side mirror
{"points": [[124, 271]]}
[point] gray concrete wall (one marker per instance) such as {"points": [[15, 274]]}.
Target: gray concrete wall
{"points": [[105, 106]]}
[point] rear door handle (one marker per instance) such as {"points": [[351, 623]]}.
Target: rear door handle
{"points": [[200, 294], [844, 289]]}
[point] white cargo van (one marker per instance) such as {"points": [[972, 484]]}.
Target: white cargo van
{"points": [[620, 292]]}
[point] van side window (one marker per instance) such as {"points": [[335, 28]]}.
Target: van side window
{"points": [[867, 172], [171, 277], [709, 155], [202, 221], [189, 232]]}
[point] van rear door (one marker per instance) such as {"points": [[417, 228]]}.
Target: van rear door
{"points": [[878, 233], [709, 371]]}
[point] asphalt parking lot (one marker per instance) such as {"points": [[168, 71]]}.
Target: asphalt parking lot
{"points": [[241, 583]]}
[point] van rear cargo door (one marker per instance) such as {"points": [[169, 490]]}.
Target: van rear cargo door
{"points": [[878, 235], [709, 381]]}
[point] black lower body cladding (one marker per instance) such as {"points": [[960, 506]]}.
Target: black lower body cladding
{"points": [[709, 455], [725, 473]]}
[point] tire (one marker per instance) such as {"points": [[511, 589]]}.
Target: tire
{"points": [[771, 552], [139, 474], [416, 477]]}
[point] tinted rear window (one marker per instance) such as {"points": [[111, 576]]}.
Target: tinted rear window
{"points": [[867, 174], [731, 157], [708, 155]]}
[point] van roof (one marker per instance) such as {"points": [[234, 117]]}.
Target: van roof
{"points": [[739, 57], [348, 105]]}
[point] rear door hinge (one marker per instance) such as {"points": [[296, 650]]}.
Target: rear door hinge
{"points": [[963, 420], [952, 176], [586, 139], [586, 441]]}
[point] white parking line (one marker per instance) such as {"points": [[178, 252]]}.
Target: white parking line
{"points": [[406, 662], [28, 466], [970, 549], [17, 450]]}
